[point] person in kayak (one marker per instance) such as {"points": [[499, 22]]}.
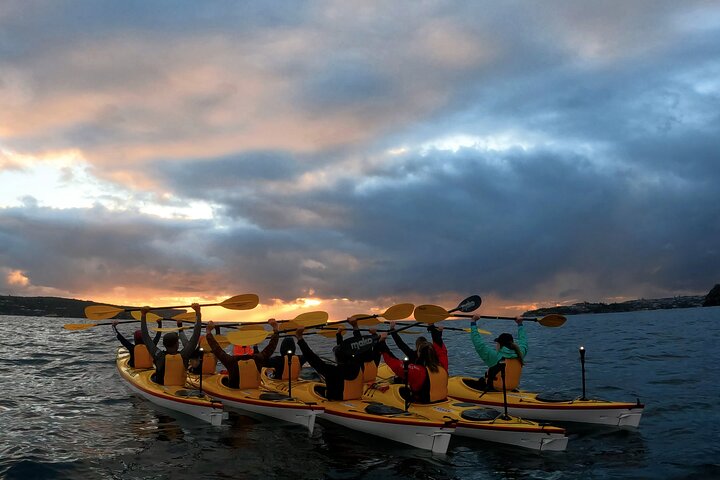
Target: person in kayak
{"points": [[508, 354], [278, 364], [427, 375], [370, 359], [138, 351], [243, 370], [343, 381], [171, 364], [412, 355]]}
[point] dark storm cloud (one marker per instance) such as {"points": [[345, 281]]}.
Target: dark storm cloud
{"points": [[594, 173]]}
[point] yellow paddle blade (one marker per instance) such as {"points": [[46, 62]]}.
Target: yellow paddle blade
{"points": [[79, 326], [365, 320], [220, 339], [247, 336], [151, 317], [552, 320], [430, 313], [185, 317], [328, 333], [247, 301], [399, 311], [101, 312], [307, 319]]}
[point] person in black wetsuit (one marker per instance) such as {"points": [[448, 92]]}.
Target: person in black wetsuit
{"points": [[137, 337], [369, 359], [231, 361], [343, 381], [171, 343]]}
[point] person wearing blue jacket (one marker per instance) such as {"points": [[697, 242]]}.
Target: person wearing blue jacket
{"points": [[508, 353]]}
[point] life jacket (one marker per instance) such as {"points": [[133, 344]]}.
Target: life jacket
{"points": [[175, 373], [295, 374], [369, 371], [353, 389], [438, 390], [243, 350], [513, 371], [249, 375], [141, 357], [209, 364]]}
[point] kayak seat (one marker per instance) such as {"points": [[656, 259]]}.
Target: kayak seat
{"points": [[382, 409], [551, 397], [480, 414], [273, 396]]}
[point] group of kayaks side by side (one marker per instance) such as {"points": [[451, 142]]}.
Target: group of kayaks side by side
{"points": [[384, 412]]}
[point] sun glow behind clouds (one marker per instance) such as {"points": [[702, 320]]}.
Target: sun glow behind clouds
{"points": [[62, 180]]}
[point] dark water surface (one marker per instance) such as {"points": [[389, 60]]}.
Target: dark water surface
{"points": [[64, 412]]}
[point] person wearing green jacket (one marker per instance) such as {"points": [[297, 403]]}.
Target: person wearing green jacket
{"points": [[506, 348]]}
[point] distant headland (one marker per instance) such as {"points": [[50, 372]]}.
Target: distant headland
{"points": [[712, 299], [55, 307]]}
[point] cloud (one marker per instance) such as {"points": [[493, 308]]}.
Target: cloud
{"points": [[362, 151]]}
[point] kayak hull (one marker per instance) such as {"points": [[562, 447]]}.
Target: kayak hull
{"points": [[528, 405], [252, 400], [403, 427], [183, 399], [490, 427]]}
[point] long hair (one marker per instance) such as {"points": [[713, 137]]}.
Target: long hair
{"points": [[428, 358], [514, 347]]}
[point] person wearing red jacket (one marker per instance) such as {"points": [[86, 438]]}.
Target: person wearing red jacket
{"points": [[426, 374]]}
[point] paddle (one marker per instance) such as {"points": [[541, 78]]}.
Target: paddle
{"points": [[256, 333], [470, 304], [434, 313], [136, 314], [246, 301]]}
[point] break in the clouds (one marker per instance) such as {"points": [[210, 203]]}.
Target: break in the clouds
{"points": [[548, 153]]}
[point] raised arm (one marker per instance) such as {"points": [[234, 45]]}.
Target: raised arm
{"points": [[225, 358], [123, 341], [310, 356], [487, 354], [264, 356], [407, 351], [152, 348], [521, 340], [193, 342]]}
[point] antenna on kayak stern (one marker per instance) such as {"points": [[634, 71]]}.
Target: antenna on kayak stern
{"points": [[582, 367], [505, 415]]}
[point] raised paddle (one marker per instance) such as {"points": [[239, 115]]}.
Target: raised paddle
{"points": [[470, 304], [136, 314], [434, 313], [246, 301], [255, 333]]}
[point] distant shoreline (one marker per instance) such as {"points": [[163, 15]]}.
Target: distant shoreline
{"points": [[691, 301], [73, 308]]}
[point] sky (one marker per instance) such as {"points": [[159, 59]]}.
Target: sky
{"points": [[348, 156]]}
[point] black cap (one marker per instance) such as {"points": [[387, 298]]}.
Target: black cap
{"points": [[504, 339]]}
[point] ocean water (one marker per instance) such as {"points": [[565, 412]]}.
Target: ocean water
{"points": [[65, 413]]}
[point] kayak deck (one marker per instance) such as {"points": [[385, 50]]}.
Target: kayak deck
{"points": [[372, 417], [183, 399], [536, 406], [478, 423], [262, 402]]}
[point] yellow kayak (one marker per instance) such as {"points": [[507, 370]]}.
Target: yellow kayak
{"points": [[474, 422], [550, 407], [183, 399]]}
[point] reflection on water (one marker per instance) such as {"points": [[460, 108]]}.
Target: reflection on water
{"points": [[64, 412]]}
